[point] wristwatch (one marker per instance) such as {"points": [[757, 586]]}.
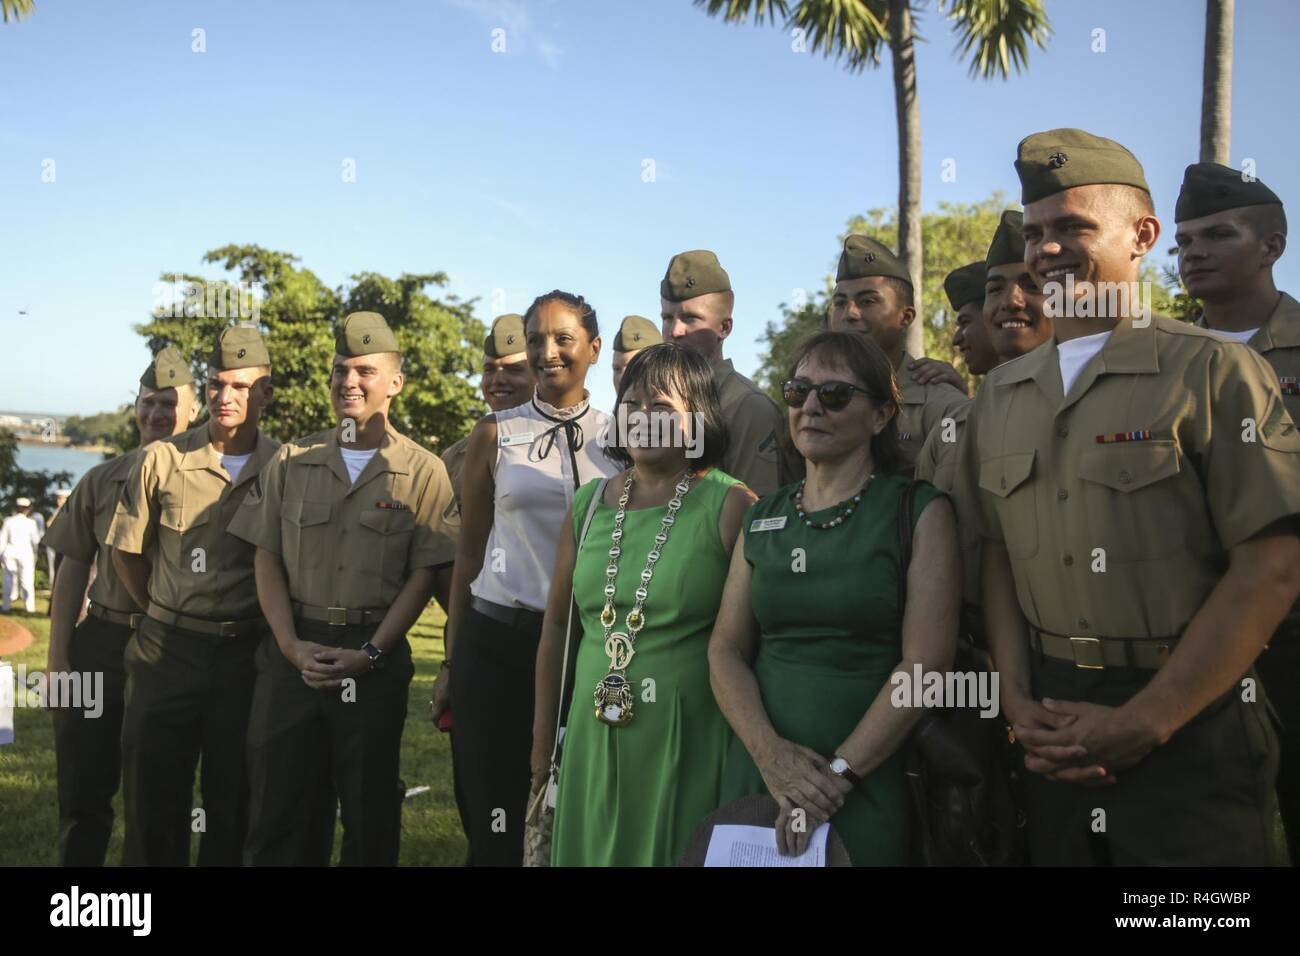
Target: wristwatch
{"points": [[840, 767], [377, 657]]}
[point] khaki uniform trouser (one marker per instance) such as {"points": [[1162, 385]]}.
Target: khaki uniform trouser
{"points": [[87, 750], [1205, 798], [187, 695], [305, 746]]}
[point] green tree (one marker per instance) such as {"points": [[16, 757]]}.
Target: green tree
{"points": [[297, 314], [98, 429], [993, 35]]}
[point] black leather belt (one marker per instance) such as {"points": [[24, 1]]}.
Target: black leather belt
{"points": [[520, 617], [114, 617], [338, 616], [203, 625], [1098, 653]]}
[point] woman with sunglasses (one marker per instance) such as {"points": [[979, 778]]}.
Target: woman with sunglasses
{"points": [[811, 642], [522, 468]]}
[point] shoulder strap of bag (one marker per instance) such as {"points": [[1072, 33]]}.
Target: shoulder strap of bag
{"points": [[568, 627], [905, 540]]}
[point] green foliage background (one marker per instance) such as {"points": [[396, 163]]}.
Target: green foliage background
{"points": [[440, 339]]}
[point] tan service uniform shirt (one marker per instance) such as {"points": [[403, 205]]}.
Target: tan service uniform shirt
{"points": [[924, 406], [1162, 511], [80, 529], [1278, 340], [351, 545], [453, 459], [175, 509], [757, 432], [937, 464]]}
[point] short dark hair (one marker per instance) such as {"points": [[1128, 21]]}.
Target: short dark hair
{"points": [[1264, 219], [671, 368], [903, 289], [860, 356], [586, 314]]}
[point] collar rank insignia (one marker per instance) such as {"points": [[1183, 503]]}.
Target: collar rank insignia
{"points": [[1142, 435]]}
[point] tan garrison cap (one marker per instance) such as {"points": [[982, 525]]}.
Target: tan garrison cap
{"points": [[1209, 188], [1060, 159], [167, 370], [864, 256], [965, 285], [693, 273], [506, 337], [1008, 243], [364, 333], [637, 333], [238, 347]]}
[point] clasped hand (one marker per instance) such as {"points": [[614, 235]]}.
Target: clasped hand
{"points": [[1078, 742], [807, 793], [325, 668]]}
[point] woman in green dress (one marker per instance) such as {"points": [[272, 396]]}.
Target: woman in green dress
{"points": [[644, 741], [810, 632]]}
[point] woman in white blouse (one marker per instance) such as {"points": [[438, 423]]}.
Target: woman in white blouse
{"points": [[522, 467]]}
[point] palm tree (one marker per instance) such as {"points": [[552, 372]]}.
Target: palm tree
{"points": [[1216, 83], [16, 9], [994, 35]]}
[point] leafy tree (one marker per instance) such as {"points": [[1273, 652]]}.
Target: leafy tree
{"points": [[298, 314], [993, 35], [16, 483], [98, 429]]}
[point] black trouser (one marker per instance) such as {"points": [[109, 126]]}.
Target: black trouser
{"points": [[305, 745], [1205, 798], [88, 744], [187, 695], [492, 704], [1279, 669]]}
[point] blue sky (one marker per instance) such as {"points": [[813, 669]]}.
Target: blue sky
{"points": [[522, 171]]}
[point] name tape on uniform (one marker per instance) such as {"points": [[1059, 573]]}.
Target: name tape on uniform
{"points": [[767, 524], [523, 438]]}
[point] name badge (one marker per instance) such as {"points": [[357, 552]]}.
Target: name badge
{"points": [[523, 438], [767, 524]]}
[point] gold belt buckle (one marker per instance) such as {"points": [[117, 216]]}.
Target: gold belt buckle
{"points": [[338, 616], [1087, 653]]}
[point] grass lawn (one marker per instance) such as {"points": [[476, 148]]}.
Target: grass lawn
{"points": [[431, 832]]}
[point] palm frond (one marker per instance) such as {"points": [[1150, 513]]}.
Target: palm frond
{"points": [[16, 9], [995, 34], [738, 11]]}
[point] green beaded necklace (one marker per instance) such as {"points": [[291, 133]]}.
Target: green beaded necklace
{"points": [[848, 507]]}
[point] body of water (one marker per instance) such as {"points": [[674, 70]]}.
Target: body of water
{"points": [[55, 458]]}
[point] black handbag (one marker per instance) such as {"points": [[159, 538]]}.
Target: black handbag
{"points": [[960, 767]]}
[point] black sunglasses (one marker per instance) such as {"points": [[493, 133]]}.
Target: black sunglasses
{"points": [[832, 395]]}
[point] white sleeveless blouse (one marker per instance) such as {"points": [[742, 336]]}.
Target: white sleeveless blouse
{"points": [[543, 455]]}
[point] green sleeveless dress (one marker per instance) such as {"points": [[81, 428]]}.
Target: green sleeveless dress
{"points": [[632, 795], [831, 634]]}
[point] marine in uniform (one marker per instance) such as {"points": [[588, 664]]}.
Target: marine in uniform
{"points": [[507, 381], [634, 334], [1230, 233], [355, 529], [873, 296], [1011, 323], [1140, 542], [696, 302], [189, 664], [87, 749]]}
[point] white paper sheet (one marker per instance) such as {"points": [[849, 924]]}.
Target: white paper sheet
{"points": [[735, 845]]}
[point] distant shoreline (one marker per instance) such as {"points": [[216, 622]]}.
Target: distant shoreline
{"points": [[62, 443]]}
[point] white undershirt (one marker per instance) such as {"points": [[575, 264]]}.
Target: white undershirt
{"points": [[234, 464], [356, 460], [1241, 337], [1075, 353]]}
